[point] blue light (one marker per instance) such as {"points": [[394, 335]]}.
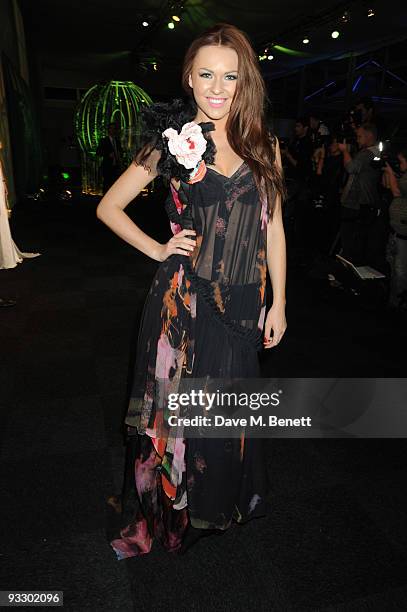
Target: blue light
{"points": [[356, 83]]}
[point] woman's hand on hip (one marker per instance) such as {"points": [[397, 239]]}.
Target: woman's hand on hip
{"points": [[179, 244]]}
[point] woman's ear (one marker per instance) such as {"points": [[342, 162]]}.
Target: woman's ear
{"points": [[190, 81]]}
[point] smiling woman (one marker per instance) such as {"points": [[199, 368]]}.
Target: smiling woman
{"points": [[217, 79], [206, 309]]}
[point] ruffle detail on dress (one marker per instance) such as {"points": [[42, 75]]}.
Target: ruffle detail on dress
{"points": [[251, 335]]}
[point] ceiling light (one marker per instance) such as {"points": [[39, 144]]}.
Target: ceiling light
{"points": [[270, 57], [305, 40], [176, 18], [335, 34], [345, 17], [370, 12], [171, 25], [262, 57], [145, 24]]}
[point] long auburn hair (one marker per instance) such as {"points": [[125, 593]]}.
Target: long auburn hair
{"points": [[246, 128]]}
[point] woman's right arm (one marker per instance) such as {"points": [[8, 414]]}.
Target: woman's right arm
{"points": [[111, 211]]}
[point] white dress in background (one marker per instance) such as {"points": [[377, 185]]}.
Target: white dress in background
{"points": [[10, 255]]}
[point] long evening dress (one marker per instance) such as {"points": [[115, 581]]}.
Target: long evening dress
{"points": [[10, 254], [203, 316]]}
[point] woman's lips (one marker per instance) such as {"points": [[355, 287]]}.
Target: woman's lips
{"points": [[216, 102]]}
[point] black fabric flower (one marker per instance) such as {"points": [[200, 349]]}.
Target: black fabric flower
{"points": [[162, 115]]}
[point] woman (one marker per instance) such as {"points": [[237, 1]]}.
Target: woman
{"points": [[10, 255], [205, 311], [397, 244]]}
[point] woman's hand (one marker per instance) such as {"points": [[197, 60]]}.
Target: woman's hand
{"points": [[178, 244], [275, 321]]}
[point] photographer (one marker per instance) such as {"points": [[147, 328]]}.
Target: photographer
{"points": [[299, 152], [297, 160], [363, 229], [397, 244], [319, 135]]}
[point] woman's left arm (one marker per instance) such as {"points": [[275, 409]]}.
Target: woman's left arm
{"points": [[277, 267]]}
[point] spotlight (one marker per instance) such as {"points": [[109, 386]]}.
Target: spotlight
{"points": [[345, 17], [335, 34], [305, 40], [270, 57], [145, 24], [262, 57], [370, 12], [171, 25], [176, 18]]}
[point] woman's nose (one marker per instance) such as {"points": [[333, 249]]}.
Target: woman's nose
{"points": [[217, 86]]}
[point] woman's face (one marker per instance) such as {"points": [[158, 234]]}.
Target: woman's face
{"points": [[213, 80], [403, 163]]}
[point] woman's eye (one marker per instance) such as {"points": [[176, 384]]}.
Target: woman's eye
{"points": [[229, 77]]}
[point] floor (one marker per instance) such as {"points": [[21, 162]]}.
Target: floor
{"points": [[336, 538]]}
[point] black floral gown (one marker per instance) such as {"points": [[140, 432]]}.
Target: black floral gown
{"points": [[203, 316]]}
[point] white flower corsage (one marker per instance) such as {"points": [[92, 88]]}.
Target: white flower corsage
{"points": [[188, 146]]}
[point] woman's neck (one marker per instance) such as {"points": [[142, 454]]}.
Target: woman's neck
{"points": [[220, 124]]}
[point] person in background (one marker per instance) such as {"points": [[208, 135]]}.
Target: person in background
{"points": [[10, 254], [319, 132], [363, 230], [397, 243], [298, 167], [111, 151], [331, 171], [319, 135], [367, 112], [299, 152]]}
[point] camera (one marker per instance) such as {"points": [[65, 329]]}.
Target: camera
{"points": [[384, 156]]}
